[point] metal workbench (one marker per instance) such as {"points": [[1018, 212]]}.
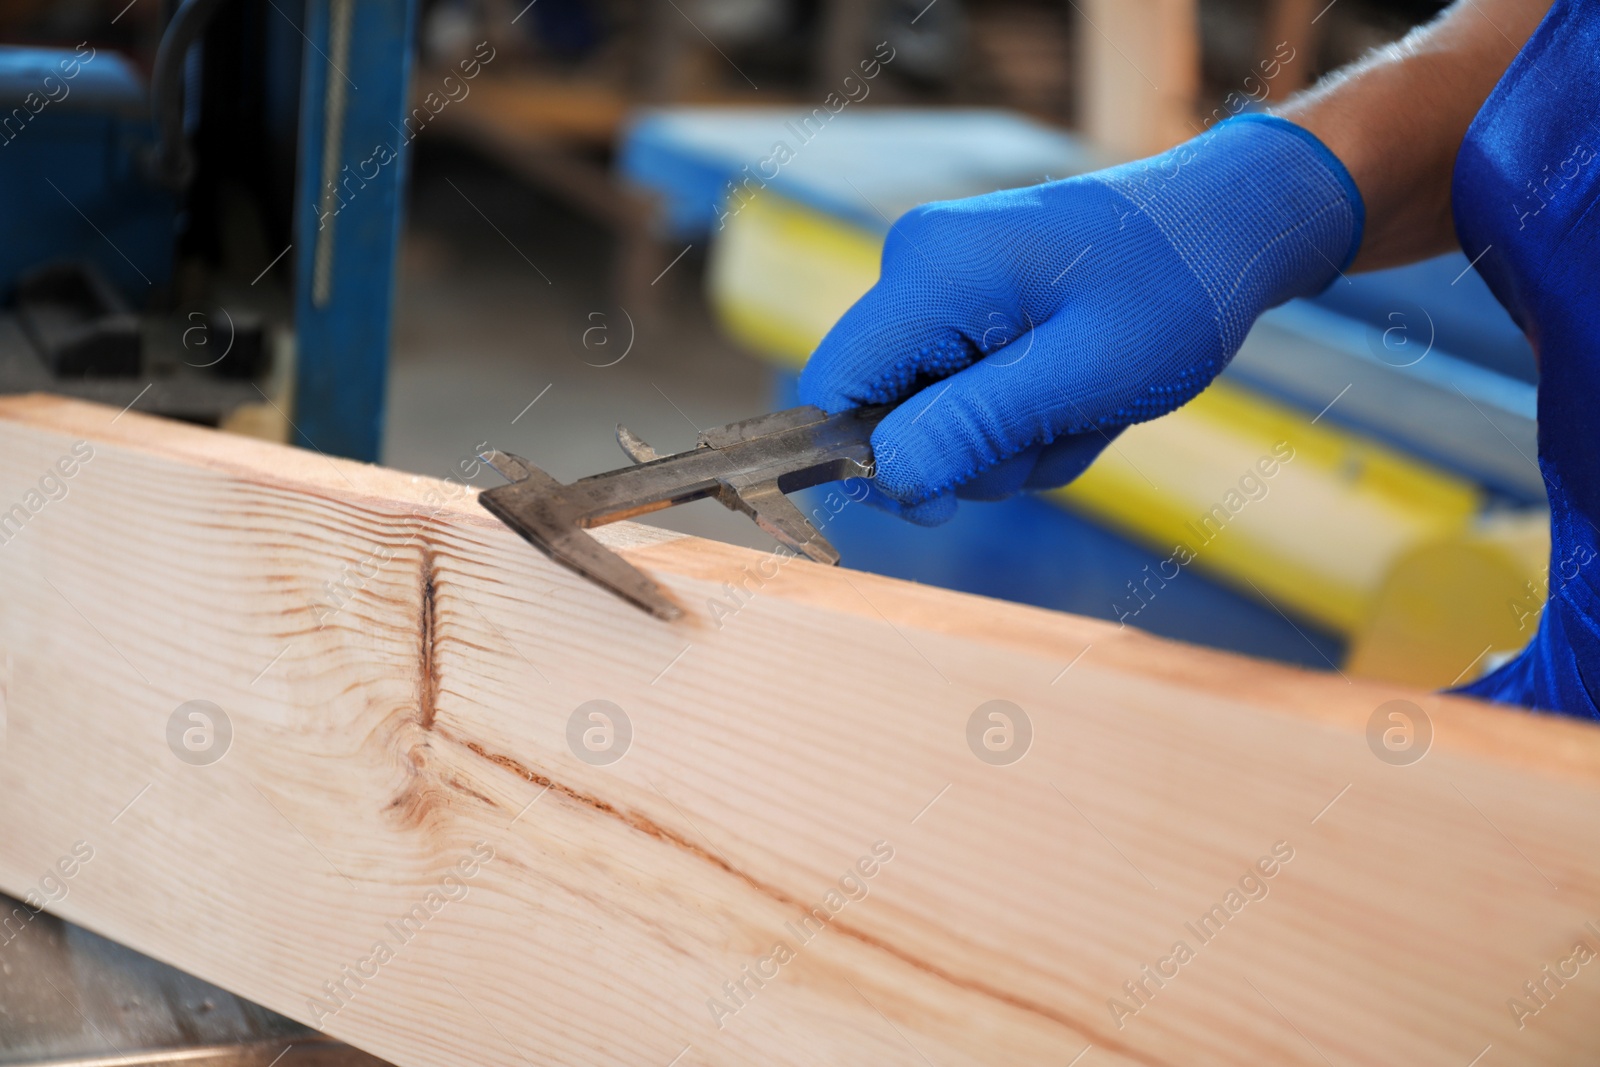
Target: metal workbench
{"points": [[70, 998]]}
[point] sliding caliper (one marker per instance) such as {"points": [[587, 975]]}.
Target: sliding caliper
{"points": [[748, 466]]}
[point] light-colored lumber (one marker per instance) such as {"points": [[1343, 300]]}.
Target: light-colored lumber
{"points": [[376, 748], [1140, 74]]}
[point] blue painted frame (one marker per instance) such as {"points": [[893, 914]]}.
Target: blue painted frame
{"points": [[356, 75]]}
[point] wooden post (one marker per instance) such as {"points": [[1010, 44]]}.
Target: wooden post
{"points": [[1141, 74], [1290, 27]]}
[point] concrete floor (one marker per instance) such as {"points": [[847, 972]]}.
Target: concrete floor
{"points": [[503, 298]]}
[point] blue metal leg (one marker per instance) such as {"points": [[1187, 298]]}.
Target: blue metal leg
{"points": [[350, 195]]}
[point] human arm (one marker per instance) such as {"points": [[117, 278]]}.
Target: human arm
{"points": [[1396, 118], [1019, 332]]}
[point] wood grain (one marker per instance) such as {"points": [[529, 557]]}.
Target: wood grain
{"points": [[382, 750]]}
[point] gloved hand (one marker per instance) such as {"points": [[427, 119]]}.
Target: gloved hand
{"points": [[1020, 331]]}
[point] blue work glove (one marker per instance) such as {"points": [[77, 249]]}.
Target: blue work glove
{"points": [[1020, 331]]}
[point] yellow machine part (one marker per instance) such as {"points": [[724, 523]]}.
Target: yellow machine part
{"points": [[780, 274], [1315, 537], [1494, 576], [1353, 535]]}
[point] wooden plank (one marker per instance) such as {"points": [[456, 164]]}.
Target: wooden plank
{"points": [[570, 111], [401, 674]]}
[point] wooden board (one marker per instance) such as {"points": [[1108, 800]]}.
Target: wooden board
{"points": [[400, 773]]}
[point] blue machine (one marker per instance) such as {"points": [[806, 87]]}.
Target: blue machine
{"points": [[108, 175], [354, 157], [74, 125]]}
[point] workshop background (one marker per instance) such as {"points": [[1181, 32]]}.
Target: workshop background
{"points": [[519, 224], [408, 232]]}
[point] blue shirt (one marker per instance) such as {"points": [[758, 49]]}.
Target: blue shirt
{"points": [[1526, 210]]}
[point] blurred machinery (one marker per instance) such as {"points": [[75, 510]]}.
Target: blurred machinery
{"points": [[70, 998], [216, 240]]}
